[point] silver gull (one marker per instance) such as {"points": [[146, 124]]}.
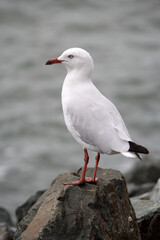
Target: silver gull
{"points": [[91, 118]]}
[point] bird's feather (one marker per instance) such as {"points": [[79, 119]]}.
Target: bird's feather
{"points": [[94, 120]]}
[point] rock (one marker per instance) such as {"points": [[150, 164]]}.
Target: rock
{"points": [[141, 190], [5, 217], [22, 211], [148, 218], [94, 212], [146, 172], [6, 226], [155, 193], [147, 207]]}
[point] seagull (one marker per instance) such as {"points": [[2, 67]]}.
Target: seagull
{"points": [[90, 117]]}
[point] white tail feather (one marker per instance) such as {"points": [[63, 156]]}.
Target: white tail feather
{"points": [[129, 154]]}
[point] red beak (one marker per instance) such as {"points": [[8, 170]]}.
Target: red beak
{"points": [[53, 61]]}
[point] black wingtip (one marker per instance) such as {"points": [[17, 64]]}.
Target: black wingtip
{"points": [[139, 156], [137, 148]]}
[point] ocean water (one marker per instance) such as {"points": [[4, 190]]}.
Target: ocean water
{"points": [[123, 37]]}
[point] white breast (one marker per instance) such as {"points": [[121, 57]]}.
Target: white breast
{"points": [[73, 111], [92, 119]]}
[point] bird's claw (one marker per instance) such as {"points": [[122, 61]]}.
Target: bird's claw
{"points": [[91, 180], [82, 182]]}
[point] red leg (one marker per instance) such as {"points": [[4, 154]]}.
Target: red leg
{"points": [[82, 180], [94, 179]]}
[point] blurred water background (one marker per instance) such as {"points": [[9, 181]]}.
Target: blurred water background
{"points": [[123, 37]]}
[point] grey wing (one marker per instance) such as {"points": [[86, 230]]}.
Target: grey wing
{"points": [[99, 124]]}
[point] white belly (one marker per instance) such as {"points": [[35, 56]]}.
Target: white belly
{"points": [[92, 120], [73, 131]]}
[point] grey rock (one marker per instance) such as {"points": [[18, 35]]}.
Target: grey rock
{"points": [[5, 217], [141, 190], [6, 226], [147, 171], [22, 210], [155, 193], [94, 212], [148, 218], [145, 208]]}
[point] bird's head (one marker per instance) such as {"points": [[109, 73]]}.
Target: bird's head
{"points": [[75, 59]]}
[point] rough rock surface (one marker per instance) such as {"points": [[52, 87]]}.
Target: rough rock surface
{"points": [[148, 218], [139, 189], [22, 210], [155, 193], [93, 212], [146, 172], [6, 226], [147, 208]]}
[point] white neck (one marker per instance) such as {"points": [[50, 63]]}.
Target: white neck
{"points": [[78, 75]]}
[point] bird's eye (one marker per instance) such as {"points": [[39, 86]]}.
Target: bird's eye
{"points": [[70, 56]]}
